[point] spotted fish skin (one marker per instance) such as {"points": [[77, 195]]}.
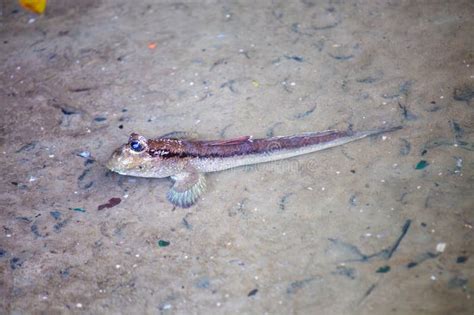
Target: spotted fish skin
{"points": [[185, 160]]}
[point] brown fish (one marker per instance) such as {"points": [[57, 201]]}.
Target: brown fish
{"points": [[185, 160]]}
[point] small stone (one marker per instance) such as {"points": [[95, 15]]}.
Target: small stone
{"points": [[440, 247], [383, 269], [461, 259], [421, 165], [163, 243]]}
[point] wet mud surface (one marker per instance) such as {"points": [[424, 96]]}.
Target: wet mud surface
{"points": [[382, 225]]}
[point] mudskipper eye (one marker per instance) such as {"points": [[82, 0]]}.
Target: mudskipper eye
{"points": [[136, 146]]}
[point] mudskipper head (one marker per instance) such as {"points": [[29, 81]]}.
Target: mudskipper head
{"points": [[133, 158]]}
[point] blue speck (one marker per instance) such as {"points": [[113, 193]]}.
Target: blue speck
{"points": [[55, 214], [203, 283]]}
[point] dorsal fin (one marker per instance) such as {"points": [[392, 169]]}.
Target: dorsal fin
{"points": [[234, 141]]}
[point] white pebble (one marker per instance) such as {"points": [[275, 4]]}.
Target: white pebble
{"points": [[79, 305], [440, 247]]}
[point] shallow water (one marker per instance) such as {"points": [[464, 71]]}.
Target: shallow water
{"points": [[381, 225]]}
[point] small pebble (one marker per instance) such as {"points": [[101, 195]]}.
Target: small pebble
{"points": [[85, 154], [163, 243], [79, 305], [440, 247]]}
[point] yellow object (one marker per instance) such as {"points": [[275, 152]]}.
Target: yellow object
{"points": [[255, 83], [36, 6]]}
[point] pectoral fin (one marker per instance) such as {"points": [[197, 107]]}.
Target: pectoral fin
{"points": [[188, 187]]}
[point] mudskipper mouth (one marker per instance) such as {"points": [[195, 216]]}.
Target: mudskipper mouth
{"points": [[110, 165]]}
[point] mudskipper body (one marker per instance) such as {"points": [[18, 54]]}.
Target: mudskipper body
{"points": [[186, 160]]}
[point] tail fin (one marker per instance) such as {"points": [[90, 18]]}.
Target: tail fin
{"points": [[375, 132]]}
